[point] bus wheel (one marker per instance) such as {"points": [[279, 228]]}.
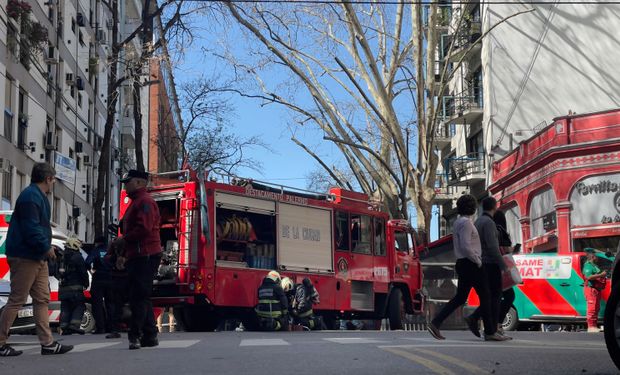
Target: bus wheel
{"points": [[612, 324], [396, 309], [511, 321]]}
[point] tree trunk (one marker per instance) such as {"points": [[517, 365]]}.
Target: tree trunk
{"points": [[137, 119], [103, 167]]}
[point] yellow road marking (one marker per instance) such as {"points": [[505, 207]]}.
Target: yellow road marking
{"points": [[455, 361], [428, 363]]}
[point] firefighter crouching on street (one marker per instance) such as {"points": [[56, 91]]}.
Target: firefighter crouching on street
{"points": [[272, 308], [306, 295], [73, 282], [595, 280]]}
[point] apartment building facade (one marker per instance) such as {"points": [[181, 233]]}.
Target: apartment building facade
{"points": [[551, 60], [54, 67]]}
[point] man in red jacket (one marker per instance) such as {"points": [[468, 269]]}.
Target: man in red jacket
{"points": [[142, 250]]}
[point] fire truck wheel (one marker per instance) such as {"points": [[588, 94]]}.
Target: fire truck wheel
{"points": [[511, 321], [612, 324], [88, 320], [396, 309]]}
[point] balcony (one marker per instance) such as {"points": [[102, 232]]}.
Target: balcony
{"points": [[466, 44], [466, 170], [443, 135], [443, 16], [444, 193], [462, 109]]}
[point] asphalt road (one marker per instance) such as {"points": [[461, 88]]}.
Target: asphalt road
{"points": [[320, 353]]}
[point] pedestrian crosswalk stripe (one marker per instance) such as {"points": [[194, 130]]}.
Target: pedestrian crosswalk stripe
{"points": [[354, 340], [177, 344], [92, 346], [263, 342]]}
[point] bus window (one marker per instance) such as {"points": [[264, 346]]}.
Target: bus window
{"points": [[379, 237], [401, 241], [341, 232], [361, 233]]}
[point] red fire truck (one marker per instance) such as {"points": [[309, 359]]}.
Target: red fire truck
{"points": [[220, 240]]}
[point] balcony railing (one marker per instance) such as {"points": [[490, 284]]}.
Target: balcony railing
{"points": [[465, 169], [456, 106], [443, 191]]}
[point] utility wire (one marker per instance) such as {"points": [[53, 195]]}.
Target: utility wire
{"points": [[410, 2]]}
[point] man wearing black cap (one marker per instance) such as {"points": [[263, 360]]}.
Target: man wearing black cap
{"points": [[142, 250]]}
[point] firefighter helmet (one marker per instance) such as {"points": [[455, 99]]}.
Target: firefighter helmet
{"points": [[73, 243], [274, 275], [287, 284]]}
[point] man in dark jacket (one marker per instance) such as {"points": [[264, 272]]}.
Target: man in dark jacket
{"points": [[492, 262], [28, 245], [272, 308], [101, 288], [142, 250], [73, 283]]}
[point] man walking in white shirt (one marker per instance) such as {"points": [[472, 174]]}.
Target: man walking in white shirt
{"points": [[467, 250]]}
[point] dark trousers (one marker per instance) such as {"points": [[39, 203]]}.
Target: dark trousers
{"points": [[494, 283], [101, 298], [508, 297], [117, 301], [71, 312], [469, 276], [141, 272]]}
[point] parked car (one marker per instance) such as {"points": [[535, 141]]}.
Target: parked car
{"points": [[24, 323]]}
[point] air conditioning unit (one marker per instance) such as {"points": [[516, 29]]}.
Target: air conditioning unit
{"points": [[101, 37], [80, 19], [51, 60], [110, 24], [49, 141], [86, 160]]}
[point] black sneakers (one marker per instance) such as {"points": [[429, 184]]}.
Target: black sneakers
{"points": [[133, 345], [434, 331], [55, 348], [472, 324], [7, 351]]}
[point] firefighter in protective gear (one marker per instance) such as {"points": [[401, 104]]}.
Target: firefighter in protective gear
{"points": [[73, 282], [289, 289], [272, 308], [595, 280], [306, 295]]}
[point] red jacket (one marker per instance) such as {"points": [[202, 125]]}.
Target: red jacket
{"points": [[141, 226]]}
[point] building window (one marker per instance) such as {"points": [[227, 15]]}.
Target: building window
{"points": [[78, 161], [72, 91], [56, 211], [7, 186], [21, 178], [80, 100], [542, 213], [8, 109], [71, 153], [73, 24], [22, 121]]}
